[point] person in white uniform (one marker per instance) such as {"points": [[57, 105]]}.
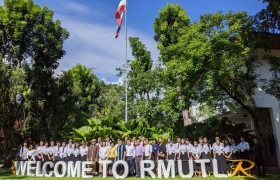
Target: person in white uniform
{"points": [[23, 152], [218, 153], [83, 151], [40, 150], [130, 155], [102, 156], [243, 148], [63, 152], [31, 153], [196, 155]]}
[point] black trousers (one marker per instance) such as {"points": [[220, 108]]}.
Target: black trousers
{"points": [[260, 165], [130, 162]]}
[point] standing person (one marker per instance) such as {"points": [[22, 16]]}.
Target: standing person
{"points": [[23, 152], [142, 140], [125, 140], [171, 151], [69, 151], [63, 152], [234, 149], [134, 140], [227, 153], [83, 151], [130, 155], [147, 155], [99, 142], [161, 150], [218, 153], [177, 146], [155, 148], [45, 153], [51, 152], [93, 152], [40, 150], [76, 152], [56, 151], [121, 153], [244, 148], [102, 156], [184, 156], [108, 141], [168, 142], [138, 157], [206, 154], [31, 153], [258, 156], [196, 155], [111, 155]]}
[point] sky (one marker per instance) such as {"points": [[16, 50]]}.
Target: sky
{"points": [[92, 27]]}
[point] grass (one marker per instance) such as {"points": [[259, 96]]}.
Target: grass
{"points": [[5, 175]]}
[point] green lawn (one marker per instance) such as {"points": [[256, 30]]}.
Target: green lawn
{"points": [[5, 174]]}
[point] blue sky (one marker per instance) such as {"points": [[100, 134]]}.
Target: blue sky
{"points": [[92, 26]]}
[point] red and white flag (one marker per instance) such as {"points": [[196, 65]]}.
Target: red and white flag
{"points": [[119, 16]]}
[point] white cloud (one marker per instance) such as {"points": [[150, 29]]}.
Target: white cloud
{"points": [[94, 45]]}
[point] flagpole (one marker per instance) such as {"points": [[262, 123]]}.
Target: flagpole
{"points": [[126, 71]]}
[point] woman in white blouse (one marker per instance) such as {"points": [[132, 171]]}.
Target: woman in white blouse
{"points": [[227, 153], [206, 154], [184, 155], [196, 154], [171, 151], [234, 149], [45, 152], [76, 152], [31, 153], [218, 153], [102, 155], [83, 151], [23, 152]]}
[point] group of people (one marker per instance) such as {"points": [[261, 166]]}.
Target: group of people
{"points": [[134, 150]]}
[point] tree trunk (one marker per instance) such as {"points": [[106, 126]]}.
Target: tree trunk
{"points": [[186, 118]]}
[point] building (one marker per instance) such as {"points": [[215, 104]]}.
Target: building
{"points": [[268, 110]]}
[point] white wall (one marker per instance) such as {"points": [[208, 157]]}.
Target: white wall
{"points": [[267, 101]]}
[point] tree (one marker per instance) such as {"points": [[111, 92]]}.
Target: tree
{"points": [[268, 19], [214, 61], [31, 44]]}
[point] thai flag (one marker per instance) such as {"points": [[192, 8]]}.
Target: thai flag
{"points": [[119, 15]]}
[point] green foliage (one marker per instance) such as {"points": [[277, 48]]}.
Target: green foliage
{"points": [[119, 129]]}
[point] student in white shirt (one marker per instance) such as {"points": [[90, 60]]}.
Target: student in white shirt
{"points": [[206, 153], [76, 153], [130, 155], [171, 151], [218, 153], [108, 141], [23, 152], [69, 151], [243, 148], [227, 153], [234, 149], [189, 147], [196, 155], [177, 146], [200, 142], [63, 152], [184, 156], [83, 151], [51, 152], [102, 155], [45, 152], [56, 151], [40, 150], [31, 153]]}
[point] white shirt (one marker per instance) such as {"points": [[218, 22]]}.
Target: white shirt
{"points": [[219, 149], [108, 143], [227, 149], [189, 147], [76, 152], [130, 150], [177, 146], [23, 153], [83, 151], [31, 153], [206, 149], [147, 150], [196, 150], [40, 149], [62, 152], [56, 150], [103, 152], [69, 150], [234, 148], [46, 150], [51, 150], [171, 149], [183, 148], [242, 146]]}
